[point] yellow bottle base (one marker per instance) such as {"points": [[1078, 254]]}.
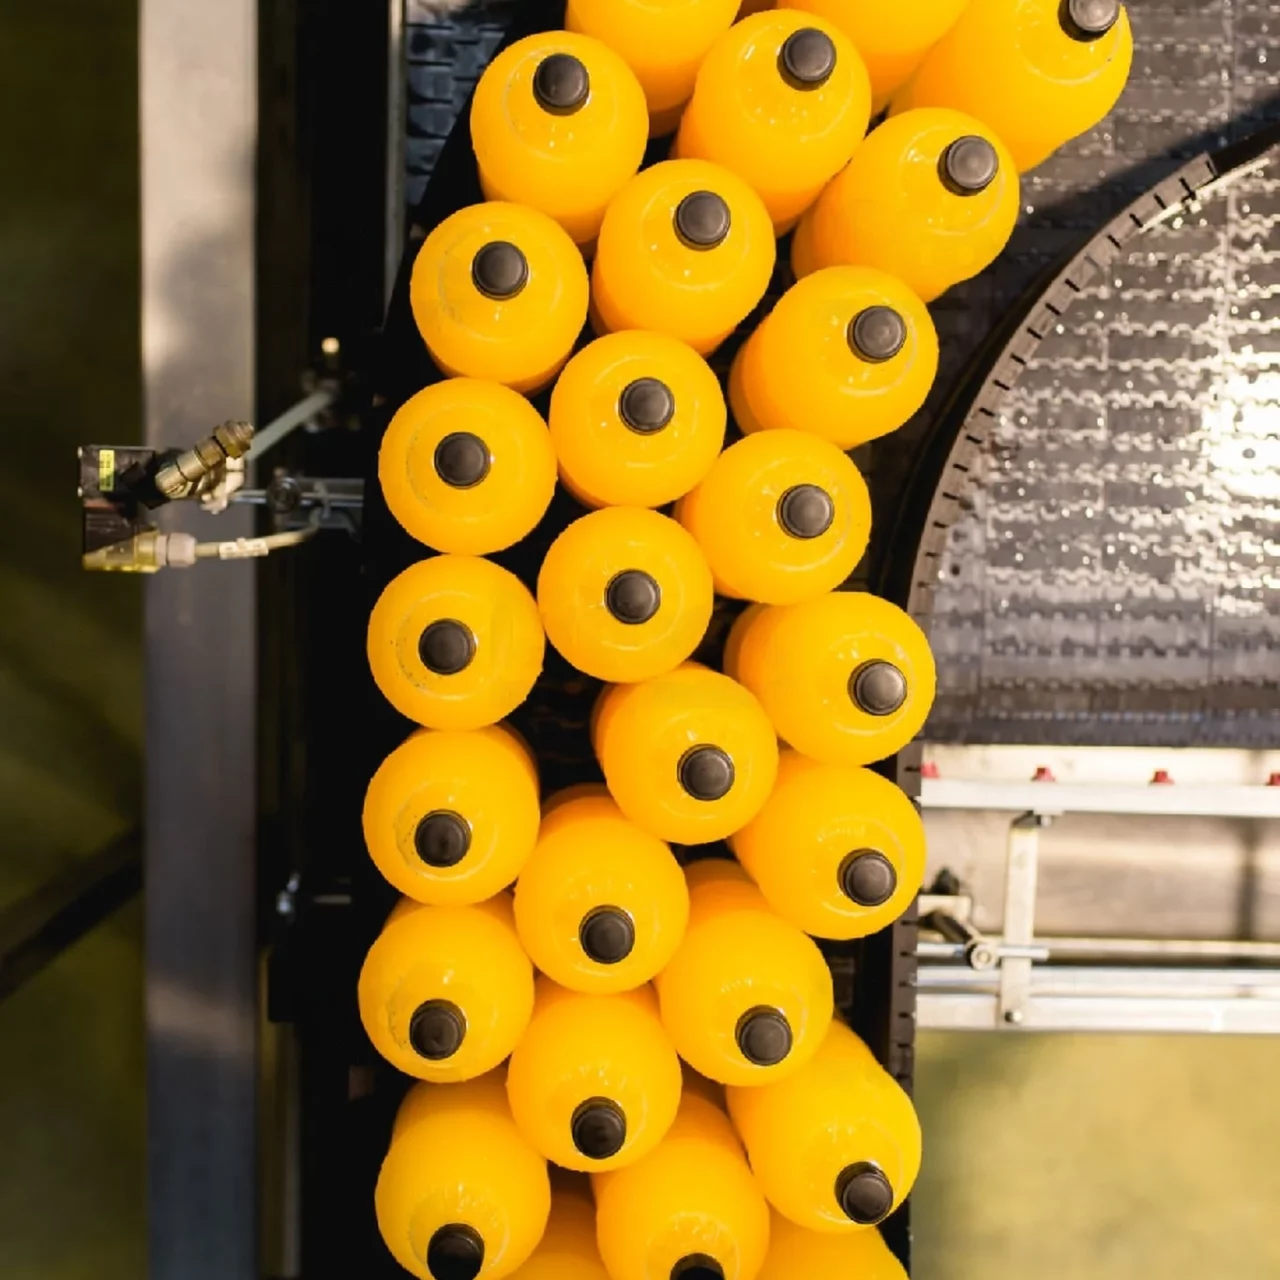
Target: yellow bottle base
{"points": [[782, 100], [892, 41], [782, 517], [568, 1249], [459, 1176], [558, 123], [836, 1146], [690, 756], [746, 998], [637, 419], [594, 1084], [794, 1251], [467, 467], [931, 197], [837, 852], [451, 817], [664, 43], [445, 993], [625, 594], [455, 642], [848, 354], [1016, 67], [600, 906], [687, 249], [692, 1200], [846, 679], [499, 292]]}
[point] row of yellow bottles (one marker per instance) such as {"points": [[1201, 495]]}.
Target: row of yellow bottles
{"points": [[464, 1192]]}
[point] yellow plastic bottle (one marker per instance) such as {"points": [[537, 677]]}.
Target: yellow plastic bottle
{"points": [[930, 197], [781, 100], [795, 1251], [1038, 72], [594, 1083], [690, 1210], [455, 642], [837, 851], [445, 992], [636, 419], [625, 594], [559, 123], [847, 678], [568, 1250], [747, 997], [836, 1145], [892, 40], [663, 42], [467, 466], [782, 516], [848, 354], [461, 1192], [499, 292], [686, 248], [689, 756], [601, 905], [450, 817]]}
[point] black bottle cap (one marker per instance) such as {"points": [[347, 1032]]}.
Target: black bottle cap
{"points": [[867, 878], [877, 334], [697, 1266], [599, 1128], [878, 688], [806, 511], [1088, 20], [764, 1036], [442, 838], [968, 166], [499, 270], [456, 1252], [632, 596], [437, 1029], [706, 773], [461, 460], [702, 220], [607, 935], [807, 59], [646, 405], [561, 84], [446, 647], [864, 1193]]}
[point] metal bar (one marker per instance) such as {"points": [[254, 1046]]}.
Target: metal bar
{"points": [[1128, 999], [290, 420], [393, 249], [1157, 948], [37, 929], [198, 82], [1172, 800], [1019, 914]]}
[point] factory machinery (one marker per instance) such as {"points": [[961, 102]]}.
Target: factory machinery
{"points": [[268, 1109]]}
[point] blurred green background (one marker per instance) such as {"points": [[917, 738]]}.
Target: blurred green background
{"points": [[1055, 1158]]}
